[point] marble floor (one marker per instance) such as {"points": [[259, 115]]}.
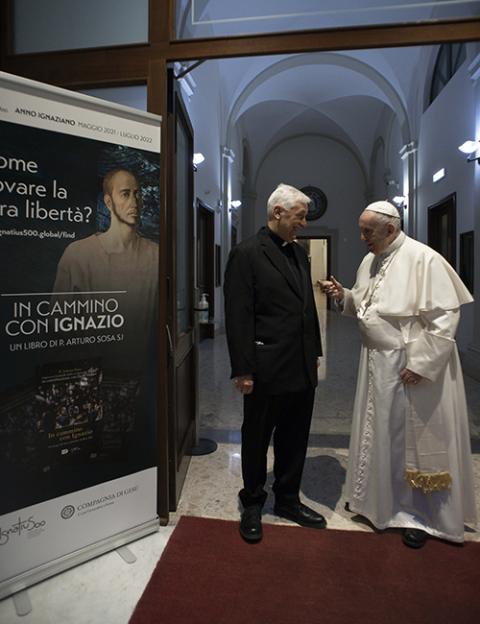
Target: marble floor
{"points": [[106, 589]]}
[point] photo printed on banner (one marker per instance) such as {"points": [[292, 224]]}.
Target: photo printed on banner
{"points": [[79, 232]]}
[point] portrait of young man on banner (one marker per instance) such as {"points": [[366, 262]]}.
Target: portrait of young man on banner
{"points": [[79, 230]]}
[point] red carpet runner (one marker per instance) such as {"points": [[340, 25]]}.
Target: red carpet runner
{"points": [[208, 575]]}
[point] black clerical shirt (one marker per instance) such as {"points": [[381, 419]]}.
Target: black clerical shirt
{"points": [[287, 250]]}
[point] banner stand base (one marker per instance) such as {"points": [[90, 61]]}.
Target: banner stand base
{"points": [[22, 603], [204, 446], [126, 554], [18, 584]]}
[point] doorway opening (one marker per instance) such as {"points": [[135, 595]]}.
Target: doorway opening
{"points": [[318, 249], [206, 265]]}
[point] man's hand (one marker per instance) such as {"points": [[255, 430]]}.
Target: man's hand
{"points": [[244, 384], [332, 288], [409, 377]]}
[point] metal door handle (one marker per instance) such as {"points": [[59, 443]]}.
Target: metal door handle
{"points": [[170, 342]]}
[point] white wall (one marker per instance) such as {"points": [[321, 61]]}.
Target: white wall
{"points": [[206, 114], [448, 122], [321, 162], [204, 109]]}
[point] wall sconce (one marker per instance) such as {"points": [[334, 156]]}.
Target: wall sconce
{"points": [[439, 175], [399, 201], [236, 203], [198, 158], [471, 148]]}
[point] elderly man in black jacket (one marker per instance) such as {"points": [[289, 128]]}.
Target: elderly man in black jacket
{"points": [[274, 343]]}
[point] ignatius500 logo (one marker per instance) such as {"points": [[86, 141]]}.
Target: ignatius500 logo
{"points": [[29, 526]]}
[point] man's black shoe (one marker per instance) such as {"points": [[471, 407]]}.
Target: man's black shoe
{"points": [[414, 538], [251, 524], [301, 514]]}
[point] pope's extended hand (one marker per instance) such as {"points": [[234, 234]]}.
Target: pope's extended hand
{"points": [[332, 288]]}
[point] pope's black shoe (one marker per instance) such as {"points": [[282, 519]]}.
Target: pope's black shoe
{"points": [[251, 524], [301, 514], [414, 538]]}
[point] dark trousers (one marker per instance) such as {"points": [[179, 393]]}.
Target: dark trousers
{"points": [[288, 416]]}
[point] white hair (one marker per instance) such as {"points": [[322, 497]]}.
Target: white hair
{"points": [[286, 196]]}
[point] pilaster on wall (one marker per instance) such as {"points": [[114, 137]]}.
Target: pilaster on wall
{"points": [[228, 158], [471, 357], [409, 156]]}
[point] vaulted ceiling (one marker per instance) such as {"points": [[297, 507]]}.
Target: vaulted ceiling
{"points": [[343, 95]]}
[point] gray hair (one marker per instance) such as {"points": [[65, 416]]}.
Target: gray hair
{"points": [[384, 219], [286, 196]]}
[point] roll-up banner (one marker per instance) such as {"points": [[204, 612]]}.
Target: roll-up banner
{"points": [[79, 232]]}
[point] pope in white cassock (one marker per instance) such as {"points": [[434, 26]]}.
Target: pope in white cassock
{"points": [[410, 460]]}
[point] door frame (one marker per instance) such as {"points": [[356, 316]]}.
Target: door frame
{"points": [[147, 64], [181, 345]]}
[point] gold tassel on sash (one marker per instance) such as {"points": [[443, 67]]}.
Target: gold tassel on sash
{"points": [[426, 454], [428, 481]]}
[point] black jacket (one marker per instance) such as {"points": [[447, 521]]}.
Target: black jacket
{"points": [[271, 320]]}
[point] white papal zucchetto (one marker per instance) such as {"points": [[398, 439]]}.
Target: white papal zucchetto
{"points": [[384, 207]]}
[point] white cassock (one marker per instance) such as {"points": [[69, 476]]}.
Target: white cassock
{"points": [[410, 459]]}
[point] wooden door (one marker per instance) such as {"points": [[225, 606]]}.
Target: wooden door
{"points": [[442, 228], [180, 278]]}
